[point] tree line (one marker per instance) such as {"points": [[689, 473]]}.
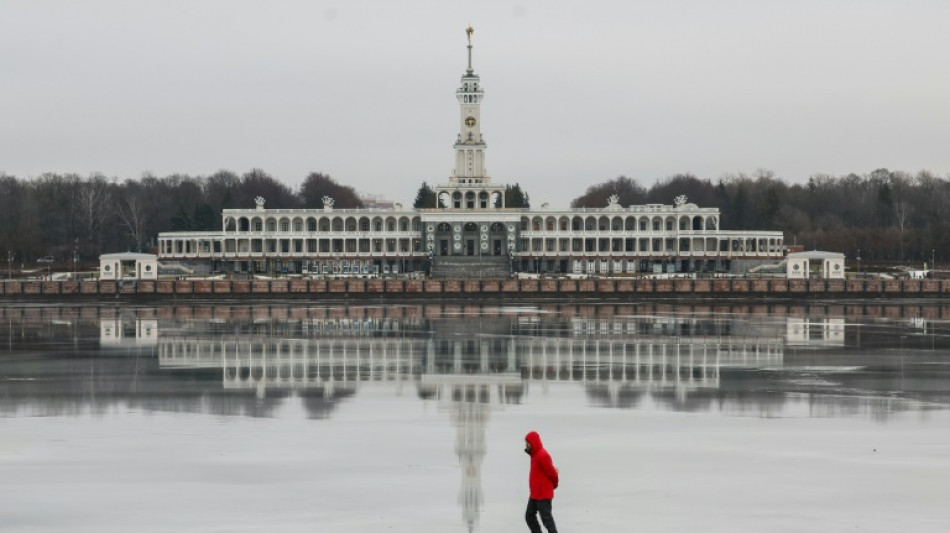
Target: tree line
{"points": [[57, 214], [884, 215]]}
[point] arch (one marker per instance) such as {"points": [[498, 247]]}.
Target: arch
{"points": [[684, 223], [349, 224], [324, 224], [657, 223], [377, 224], [403, 223], [297, 224], [603, 223], [244, 224], [470, 227], [311, 224], [577, 223], [416, 224], [630, 224], [229, 224], [283, 224], [536, 223], [524, 223], [590, 224], [497, 227], [644, 223], [496, 199], [271, 224], [616, 224], [390, 223], [670, 223], [444, 227], [550, 224], [563, 223], [364, 224], [336, 224]]}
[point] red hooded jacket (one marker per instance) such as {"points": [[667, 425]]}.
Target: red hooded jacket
{"points": [[543, 476]]}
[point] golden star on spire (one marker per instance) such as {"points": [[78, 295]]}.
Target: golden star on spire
{"points": [[470, 30]]}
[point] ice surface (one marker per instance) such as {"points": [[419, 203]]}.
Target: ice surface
{"points": [[97, 439]]}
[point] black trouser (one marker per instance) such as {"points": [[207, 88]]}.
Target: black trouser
{"points": [[542, 507]]}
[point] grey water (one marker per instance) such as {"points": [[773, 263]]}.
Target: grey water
{"points": [[661, 417]]}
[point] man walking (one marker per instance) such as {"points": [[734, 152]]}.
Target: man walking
{"points": [[542, 480]]}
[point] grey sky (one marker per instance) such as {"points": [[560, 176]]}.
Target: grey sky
{"points": [[576, 92]]}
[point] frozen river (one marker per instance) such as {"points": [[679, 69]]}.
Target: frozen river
{"points": [[360, 419]]}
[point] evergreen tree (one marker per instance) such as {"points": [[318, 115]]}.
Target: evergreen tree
{"points": [[425, 197], [203, 219], [516, 198], [181, 221]]}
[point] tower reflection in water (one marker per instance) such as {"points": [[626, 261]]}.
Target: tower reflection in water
{"points": [[475, 365]]}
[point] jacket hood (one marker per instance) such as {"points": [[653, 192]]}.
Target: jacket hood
{"points": [[534, 440]]}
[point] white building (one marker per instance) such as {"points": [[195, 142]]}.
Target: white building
{"points": [[472, 233], [128, 266], [815, 264]]}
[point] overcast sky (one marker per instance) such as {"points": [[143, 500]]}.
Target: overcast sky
{"points": [[576, 92]]}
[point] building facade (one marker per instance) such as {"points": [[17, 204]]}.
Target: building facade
{"points": [[471, 225]]}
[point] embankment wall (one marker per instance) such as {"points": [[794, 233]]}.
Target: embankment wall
{"points": [[376, 289]]}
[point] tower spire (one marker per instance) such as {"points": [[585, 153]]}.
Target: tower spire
{"points": [[469, 30]]}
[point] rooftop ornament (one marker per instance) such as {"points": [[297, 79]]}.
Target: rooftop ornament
{"points": [[260, 203], [613, 203], [679, 200], [327, 203]]}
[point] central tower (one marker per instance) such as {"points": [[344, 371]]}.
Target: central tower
{"points": [[470, 145], [470, 187]]}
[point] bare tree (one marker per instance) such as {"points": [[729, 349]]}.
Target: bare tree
{"points": [[94, 208], [901, 210], [132, 215]]}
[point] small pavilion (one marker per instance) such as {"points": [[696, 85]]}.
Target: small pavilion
{"points": [[128, 265], [816, 263]]}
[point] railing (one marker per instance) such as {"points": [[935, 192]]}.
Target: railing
{"points": [[280, 234], [673, 233], [286, 255], [651, 254], [252, 212]]}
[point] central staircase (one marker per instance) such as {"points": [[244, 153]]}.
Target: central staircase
{"points": [[470, 267]]}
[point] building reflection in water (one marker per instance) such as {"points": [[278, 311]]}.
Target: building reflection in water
{"points": [[115, 332], [470, 363], [470, 369]]}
